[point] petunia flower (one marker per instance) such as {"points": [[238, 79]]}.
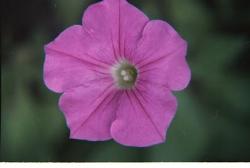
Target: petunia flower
{"points": [[116, 72]]}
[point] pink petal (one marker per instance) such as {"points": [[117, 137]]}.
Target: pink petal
{"points": [[89, 111], [143, 116], [66, 63], [160, 56], [117, 23], [82, 54]]}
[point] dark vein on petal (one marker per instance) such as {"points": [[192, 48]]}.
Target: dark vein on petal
{"points": [[86, 30], [79, 59], [119, 26], [130, 100], [143, 81], [113, 47], [132, 52], [86, 83], [118, 103], [156, 60], [106, 63], [153, 62], [124, 44], [93, 112], [151, 69], [103, 73], [102, 93], [147, 114], [94, 37], [98, 79], [116, 96], [140, 93]]}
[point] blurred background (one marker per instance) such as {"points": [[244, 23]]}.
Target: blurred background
{"points": [[213, 117]]}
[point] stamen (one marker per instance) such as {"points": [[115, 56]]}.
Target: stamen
{"points": [[126, 78], [124, 74]]}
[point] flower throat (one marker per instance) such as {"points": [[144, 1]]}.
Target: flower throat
{"points": [[124, 74]]}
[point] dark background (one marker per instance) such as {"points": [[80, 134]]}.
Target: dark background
{"points": [[213, 117]]}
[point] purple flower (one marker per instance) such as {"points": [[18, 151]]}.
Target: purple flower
{"points": [[116, 72]]}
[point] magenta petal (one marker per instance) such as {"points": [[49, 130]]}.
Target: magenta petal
{"points": [[89, 111], [117, 23], [161, 56], [66, 65], [143, 116]]}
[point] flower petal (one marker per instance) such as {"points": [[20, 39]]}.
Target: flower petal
{"points": [[66, 63], [143, 116], [116, 22], [89, 111], [161, 56]]}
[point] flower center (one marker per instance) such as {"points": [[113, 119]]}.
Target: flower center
{"points": [[124, 74]]}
